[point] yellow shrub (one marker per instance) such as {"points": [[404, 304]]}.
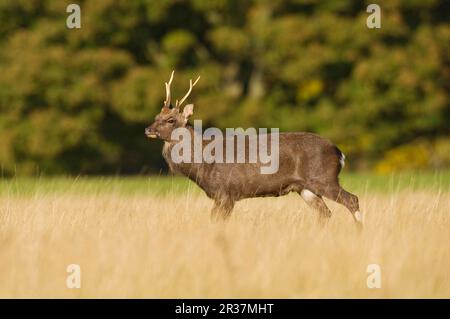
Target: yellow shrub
{"points": [[309, 90], [413, 156]]}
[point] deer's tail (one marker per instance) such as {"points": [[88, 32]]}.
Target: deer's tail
{"points": [[341, 157]]}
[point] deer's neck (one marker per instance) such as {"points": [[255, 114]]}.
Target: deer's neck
{"points": [[194, 171]]}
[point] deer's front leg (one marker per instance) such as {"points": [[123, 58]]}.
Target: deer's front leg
{"points": [[222, 208]]}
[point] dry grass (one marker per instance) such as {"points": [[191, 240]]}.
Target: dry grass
{"points": [[165, 246]]}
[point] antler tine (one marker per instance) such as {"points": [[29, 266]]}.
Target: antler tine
{"points": [[171, 77], [191, 85], [167, 84], [196, 81]]}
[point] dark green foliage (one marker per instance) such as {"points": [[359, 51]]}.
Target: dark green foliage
{"points": [[77, 101]]}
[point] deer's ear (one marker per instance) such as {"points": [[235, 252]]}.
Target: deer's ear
{"points": [[188, 110]]}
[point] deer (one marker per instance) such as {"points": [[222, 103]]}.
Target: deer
{"points": [[308, 165]]}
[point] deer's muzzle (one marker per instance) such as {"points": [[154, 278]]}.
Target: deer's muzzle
{"points": [[150, 133]]}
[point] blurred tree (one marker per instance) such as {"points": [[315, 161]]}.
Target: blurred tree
{"points": [[77, 101]]}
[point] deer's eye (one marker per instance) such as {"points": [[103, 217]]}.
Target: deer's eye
{"points": [[171, 121]]}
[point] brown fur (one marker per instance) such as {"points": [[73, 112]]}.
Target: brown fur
{"points": [[306, 162]]}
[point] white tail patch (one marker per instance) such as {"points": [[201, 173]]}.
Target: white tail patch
{"points": [[307, 195], [342, 160]]}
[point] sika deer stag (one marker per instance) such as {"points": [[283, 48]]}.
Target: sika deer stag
{"points": [[308, 165]]}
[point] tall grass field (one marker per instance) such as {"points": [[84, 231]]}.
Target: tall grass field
{"points": [[152, 237]]}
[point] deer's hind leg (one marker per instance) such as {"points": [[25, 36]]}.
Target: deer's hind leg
{"points": [[317, 203], [336, 193]]}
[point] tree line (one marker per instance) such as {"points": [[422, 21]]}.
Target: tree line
{"points": [[76, 101]]}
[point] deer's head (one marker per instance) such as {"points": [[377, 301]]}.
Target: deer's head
{"points": [[171, 117]]}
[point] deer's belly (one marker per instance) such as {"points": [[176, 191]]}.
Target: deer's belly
{"points": [[264, 186], [272, 190]]}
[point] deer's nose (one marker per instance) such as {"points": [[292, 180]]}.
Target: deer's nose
{"points": [[150, 133]]}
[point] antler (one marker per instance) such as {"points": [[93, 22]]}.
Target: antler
{"points": [[191, 85], [167, 101]]}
